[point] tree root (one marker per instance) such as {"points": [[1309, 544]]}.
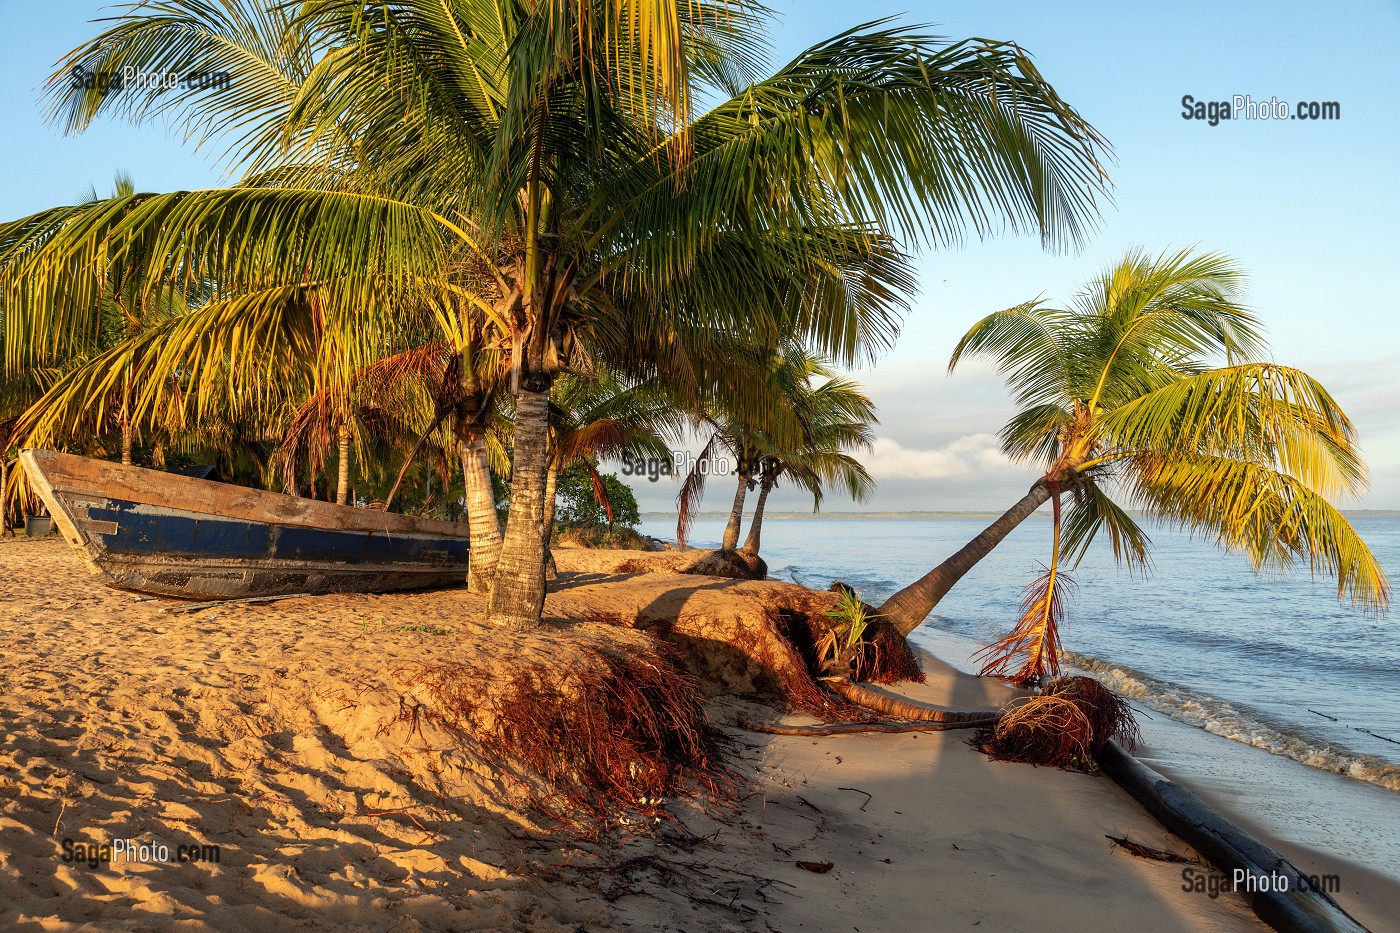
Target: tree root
{"points": [[851, 728], [904, 709]]}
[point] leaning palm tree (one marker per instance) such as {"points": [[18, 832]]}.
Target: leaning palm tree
{"points": [[558, 145], [1147, 392]]}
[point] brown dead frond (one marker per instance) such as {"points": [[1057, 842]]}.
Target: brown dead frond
{"points": [[1035, 641]]}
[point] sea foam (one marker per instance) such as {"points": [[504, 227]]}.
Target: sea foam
{"points": [[1231, 721]]}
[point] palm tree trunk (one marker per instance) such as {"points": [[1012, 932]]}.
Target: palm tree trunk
{"points": [[342, 489], [4, 499], [551, 486], [517, 598], [126, 422], [756, 523], [736, 514], [908, 608], [482, 522]]}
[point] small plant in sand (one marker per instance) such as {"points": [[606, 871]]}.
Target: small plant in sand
{"points": [[423, 628], [840, 649]]}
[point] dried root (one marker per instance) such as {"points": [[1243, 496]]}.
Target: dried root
{"points": [[1148, 852], [1063, 727], [605, 723]]}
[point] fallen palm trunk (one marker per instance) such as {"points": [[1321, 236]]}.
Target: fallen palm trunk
{"points": [[852, 728], [1281, 894], [904, 709]]}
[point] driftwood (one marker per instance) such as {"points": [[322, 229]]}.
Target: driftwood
{"points": [[853, 728], [904, 709]]}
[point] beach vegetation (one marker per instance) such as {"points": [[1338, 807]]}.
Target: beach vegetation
{"points": [[841, 648], [1152, 391], [583, 505], [539, 179]]}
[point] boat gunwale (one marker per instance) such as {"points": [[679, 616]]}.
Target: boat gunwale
{"points": [[71, 475]]}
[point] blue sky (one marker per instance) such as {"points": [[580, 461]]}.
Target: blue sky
{"points": [[1309, 208]]}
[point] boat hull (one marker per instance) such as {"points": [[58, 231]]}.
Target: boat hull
{"points": [[155, 532]]}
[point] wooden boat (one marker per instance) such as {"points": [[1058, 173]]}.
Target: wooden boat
{"points": [[156, 532]]}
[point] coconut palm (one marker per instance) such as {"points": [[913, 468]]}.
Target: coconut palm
{"points": [[838, 416], [740, 433], [601, 416], [806, 428], [557, 145], [1146, 392]]}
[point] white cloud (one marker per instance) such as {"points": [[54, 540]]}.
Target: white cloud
{"points": [[968, 455]]}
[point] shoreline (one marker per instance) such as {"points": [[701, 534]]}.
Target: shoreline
{"points": [[123, 721], [1002, 845], [1248, 785]]}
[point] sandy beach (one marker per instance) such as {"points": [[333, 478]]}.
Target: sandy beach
{"points": [[261, 730]]}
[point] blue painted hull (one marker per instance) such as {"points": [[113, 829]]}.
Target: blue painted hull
{"points": [[174, 536]]}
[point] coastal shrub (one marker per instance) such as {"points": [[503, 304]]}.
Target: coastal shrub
{"points": [[596, 536], [580, 506]]}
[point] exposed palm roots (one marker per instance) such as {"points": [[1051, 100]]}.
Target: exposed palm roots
{"points": [[1064, 727], [605, 720]]}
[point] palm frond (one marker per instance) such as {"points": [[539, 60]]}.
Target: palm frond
{"points": [[1035, 641], [1275, 519]]}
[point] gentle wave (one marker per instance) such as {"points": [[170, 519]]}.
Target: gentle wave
{"points": [[1224, 719]]}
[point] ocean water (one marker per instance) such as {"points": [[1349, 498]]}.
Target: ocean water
{"points": [[1275, 664]]}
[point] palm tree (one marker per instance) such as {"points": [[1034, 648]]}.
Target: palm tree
{"points": [[803, 435], [556, 145], [601, 416], [838, 417], [1147, 390]]}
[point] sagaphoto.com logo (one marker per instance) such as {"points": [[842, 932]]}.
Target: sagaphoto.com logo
{"points": [[1245, 107], [131, 78]]}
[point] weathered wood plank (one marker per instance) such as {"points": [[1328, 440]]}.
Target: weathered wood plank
{"points": [[83, 477]]}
